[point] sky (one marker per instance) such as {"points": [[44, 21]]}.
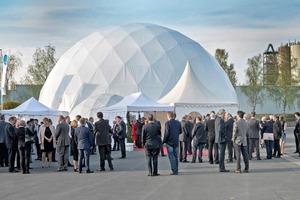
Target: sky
{"points": [[243, 28]]}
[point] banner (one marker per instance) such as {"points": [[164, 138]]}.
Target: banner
{"points": [[5, 60]]}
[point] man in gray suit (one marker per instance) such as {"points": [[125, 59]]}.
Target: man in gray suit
{"points": [[102, 131], [220, 131], [63, 143], [121, 132], [254, 136], [186, 133], [239, 138]]}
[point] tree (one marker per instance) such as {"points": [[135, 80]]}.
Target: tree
{"points": [[254, 81], [285, 93], [14, 63], [222, 56], [42, 64]]}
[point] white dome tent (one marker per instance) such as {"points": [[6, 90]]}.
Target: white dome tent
{"points": [[136, 57]]}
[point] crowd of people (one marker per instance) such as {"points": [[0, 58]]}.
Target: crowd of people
{"points": [[240, 135]]}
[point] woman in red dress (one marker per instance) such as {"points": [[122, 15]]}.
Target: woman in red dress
{"points": [[134, 136]]}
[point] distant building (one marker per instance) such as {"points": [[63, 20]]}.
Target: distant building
{"points": [[21, 93]]}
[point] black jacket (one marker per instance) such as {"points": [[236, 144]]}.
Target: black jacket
{"points": [[11, 137], [121, 130], [210, 129], [277, 129], [199, 134], [102, 130], [151, 136], [21, 132], [229, 129], [267, 128]]}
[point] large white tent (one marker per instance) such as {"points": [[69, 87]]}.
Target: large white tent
{"points": [[136, 102], [191, 94], [34, 108], [137, 57]]}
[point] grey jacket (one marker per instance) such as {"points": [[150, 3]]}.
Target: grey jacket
{"points": [[240, 131], [121, 130], [151, 136], [186, 131], [253, 128], [62, 134], [220, 130]]}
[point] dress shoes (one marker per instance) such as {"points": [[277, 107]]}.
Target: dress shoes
{"points": [[224, 170], [172, 173], [60, 170], [217, 162], [89, 171], [122, 157], [193, 161], [156, 174], [163, 155], [185, 161], [14, 171], [111, 168], [246, 170], [100, 170], [258, 158]]}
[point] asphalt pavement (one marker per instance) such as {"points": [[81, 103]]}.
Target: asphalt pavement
{"points": [[274, 179]]}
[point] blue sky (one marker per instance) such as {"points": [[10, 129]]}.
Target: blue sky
{"points": [[243, 28]]}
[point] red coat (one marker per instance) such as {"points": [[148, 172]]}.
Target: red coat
{"points": [[134, 136]]}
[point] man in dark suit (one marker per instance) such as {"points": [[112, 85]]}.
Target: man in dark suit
{"points": [[186, 133], [213, 147], [121, 132], [102, 131], [36, 140], [297, 131], [115, 137], [84, 140], [139, 126], [220, 131], [63, 143], [254, 136], [11, 143], [199, 137], [171, 139], [240, 131], [229, 128], [3, 148], [277, 131], [155, 121], [151, 135]]}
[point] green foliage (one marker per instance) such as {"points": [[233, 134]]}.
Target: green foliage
{"points": [[129, 128], [285, 93], [254, 81], [222, 57], [42, 64], [10, 105]]}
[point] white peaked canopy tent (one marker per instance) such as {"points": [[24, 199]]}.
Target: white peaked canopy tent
{"points": [[190, 95], [32, 107], [136, 102]]}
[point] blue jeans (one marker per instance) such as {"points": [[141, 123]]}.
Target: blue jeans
{"points": [[195, 147], [269, 147], [84, 153], [173, 157]]}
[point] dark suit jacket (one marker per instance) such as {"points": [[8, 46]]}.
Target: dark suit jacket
{"points": [[229, 128], [83, 137], [172, 132], [253, 128], [102, 130], [220, 130], [186, 131], [2, 131], [62, 134], [297, 126], [210, 128], [199, 134], [139, 127], [277, 129], [151, 136], [20, 132], [121, 130], [11, 137]]}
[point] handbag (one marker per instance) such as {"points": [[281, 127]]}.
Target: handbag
{"points": [[29, 139], [268, 136]]}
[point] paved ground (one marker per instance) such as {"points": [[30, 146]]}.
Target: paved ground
{"points": [[268, 179]]}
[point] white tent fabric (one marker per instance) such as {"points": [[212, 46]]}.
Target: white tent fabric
{"points": [[191, 94], [137, 57], [136, 102], [33, 107]]}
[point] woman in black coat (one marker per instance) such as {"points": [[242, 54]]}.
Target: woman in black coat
{"points": [[24, 147]]}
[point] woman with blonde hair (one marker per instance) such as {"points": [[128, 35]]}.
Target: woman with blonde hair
{"points": [[74, 150], [47, 141]]}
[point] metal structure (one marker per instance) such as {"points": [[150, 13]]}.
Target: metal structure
{"points": [[270, 66], [284, 63]]}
